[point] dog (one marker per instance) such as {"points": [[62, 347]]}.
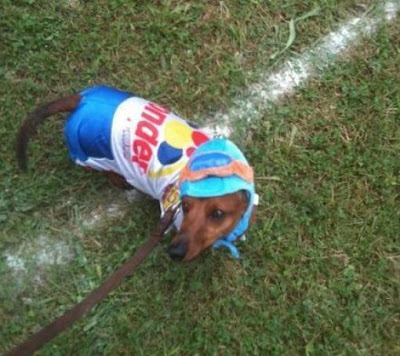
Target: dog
{"points": [[140, 144]]}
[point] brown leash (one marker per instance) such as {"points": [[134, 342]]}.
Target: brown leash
{"points": [[49, 332]]}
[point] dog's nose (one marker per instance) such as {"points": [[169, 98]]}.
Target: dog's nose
{"points": [[177, 251]]}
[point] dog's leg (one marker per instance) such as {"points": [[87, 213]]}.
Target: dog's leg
{"points": [[118, 180]]}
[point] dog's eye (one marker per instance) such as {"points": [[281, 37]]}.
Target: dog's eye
{"points": [[217, 214], [185, 207]]}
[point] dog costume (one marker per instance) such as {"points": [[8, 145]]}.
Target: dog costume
{"points": [[113, 130]]}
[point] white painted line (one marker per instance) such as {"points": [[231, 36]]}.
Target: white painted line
{"points": [[116, 209], [271, 88], [100, 214], [14, 262], [40, 252]]}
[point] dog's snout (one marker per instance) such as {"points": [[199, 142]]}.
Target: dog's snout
{"points": [[177, 251]]}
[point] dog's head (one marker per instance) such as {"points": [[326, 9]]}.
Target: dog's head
{"points": [[218, 199]]}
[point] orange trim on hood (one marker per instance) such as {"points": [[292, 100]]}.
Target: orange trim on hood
{"points": [[238, 168]]}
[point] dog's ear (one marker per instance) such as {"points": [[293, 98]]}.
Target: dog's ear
{"points": [[253, 215]]}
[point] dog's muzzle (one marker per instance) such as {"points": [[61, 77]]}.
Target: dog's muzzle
{"points": [[177, 251]]}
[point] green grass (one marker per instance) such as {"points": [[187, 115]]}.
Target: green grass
{"points": [[320, 271]]}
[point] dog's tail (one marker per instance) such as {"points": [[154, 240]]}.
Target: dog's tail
{"points": [[29, 126]]}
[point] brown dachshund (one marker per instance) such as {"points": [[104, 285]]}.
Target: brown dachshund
{"points": [[140, 144]]}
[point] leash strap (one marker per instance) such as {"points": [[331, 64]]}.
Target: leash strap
{"points": [[49, 332]]}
